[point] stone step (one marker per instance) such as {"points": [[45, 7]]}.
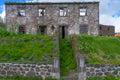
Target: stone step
{"points": [[70, 78]]}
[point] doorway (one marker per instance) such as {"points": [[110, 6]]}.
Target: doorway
{"points": [[21, 29], [63, 31], [42, 29]]}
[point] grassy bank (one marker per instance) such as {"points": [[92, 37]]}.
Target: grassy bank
{"points": [[25, 47], [100, 50], [104, 78], [67, 61]]}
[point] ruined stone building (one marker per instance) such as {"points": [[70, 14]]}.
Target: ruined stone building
{"points": [[106, 30], [50, 18]]}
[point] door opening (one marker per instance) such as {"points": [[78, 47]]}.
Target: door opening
{"points": [[42, 30], [22, 29], [63, 31]]}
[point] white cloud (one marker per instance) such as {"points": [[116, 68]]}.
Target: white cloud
{"points": [[109, 7], [2, 15]]}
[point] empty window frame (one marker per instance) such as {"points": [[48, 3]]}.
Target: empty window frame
{"points": [[63, 11], [42, 29], [83, 11], [100, 28], [21, 12], [83, 29], [41, 11], [21, 29]]}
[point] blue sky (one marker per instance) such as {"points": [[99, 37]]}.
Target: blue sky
{"points": [[109, 10]]}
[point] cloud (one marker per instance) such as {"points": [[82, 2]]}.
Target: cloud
{"points": [[109, 7], [2, 15]]}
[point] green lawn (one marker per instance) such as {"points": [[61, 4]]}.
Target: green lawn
{"points": [[100, 49], [25, 47]]}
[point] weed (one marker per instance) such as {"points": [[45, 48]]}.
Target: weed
{"points": [[67, 61]]}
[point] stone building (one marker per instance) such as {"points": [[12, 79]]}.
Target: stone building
{"points": [[64, 18], [117, 34], [106, 30]]}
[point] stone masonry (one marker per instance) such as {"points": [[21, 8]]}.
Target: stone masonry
{"points": [[100, 70], [46, 70], [64, 18], [26, 69], [106, 30]]}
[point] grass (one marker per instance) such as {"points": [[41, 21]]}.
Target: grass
{"points": [[108, 77], [39, 48], [67, 61], [19, 78], [23, 78], [25, 47], [100, 50]]}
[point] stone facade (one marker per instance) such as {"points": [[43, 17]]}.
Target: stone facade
{"points": [[106, 30], [64, 18], [100, 70], [26, 69]]}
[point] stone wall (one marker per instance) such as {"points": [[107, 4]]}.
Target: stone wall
{"points": [[26, 69], [100, 70], [47, 70], [106, 30], [52, 17]]}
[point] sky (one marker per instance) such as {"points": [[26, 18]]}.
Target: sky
{"points": [[109, 10]]}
